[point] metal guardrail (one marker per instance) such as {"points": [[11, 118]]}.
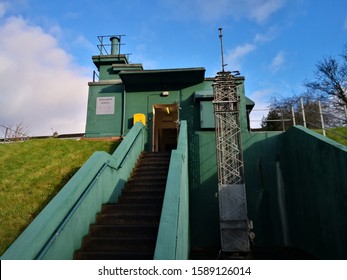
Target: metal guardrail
{"points": [[299, 111], [102, 46], [12, 135]]}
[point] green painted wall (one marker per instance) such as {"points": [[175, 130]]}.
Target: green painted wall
{"points": [[315, 179], [142, 102], [203, 184], [260, 151], [109, 124], [296, 191]]}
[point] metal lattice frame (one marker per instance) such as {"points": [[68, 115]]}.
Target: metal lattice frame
{"points": [[234, 223], [228, 131]]}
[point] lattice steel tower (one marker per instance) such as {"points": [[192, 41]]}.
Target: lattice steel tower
{"points": [[234, 224]]}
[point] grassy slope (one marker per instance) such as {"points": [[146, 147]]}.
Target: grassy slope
{"points": [[339, 134], [31, 174]]}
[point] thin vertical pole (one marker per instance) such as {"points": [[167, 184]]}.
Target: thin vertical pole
{"points": [[221, 46], [283, 128], [346, 111], [321, 117], [293, 115], [6, 131], [303, 111], [119, 44], [102, 44]]}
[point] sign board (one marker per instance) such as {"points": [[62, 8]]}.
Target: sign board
{"points": [[105, 105]]}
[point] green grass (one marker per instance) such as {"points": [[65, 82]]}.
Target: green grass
{"points": [[339, 134], [32, 173]]}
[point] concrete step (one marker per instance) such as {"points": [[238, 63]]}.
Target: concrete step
{"points": [[140, 200], [146, 182], [155, 155], [138, 191], [131, 208], [127, 219], [149, 178], [150, 171], [83, 255], [139, 231], [142, 244]]}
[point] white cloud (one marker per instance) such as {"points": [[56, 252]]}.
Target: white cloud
{"points": [[207, 10], [269, 35], [82, 41], [260, 10], [39, 83], [140, 56], [234, 57], [278, 61]]}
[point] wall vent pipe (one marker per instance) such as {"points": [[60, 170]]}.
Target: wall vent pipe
{"points": [[115, 42]]}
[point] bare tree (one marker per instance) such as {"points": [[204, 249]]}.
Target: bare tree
{"points": [[19, 132], [331, 82]]}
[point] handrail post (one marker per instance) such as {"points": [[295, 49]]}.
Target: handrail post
{"points": [[6, 131], [293, 115], [303, 111], [101, 43], [283, 127], [321, 117]]}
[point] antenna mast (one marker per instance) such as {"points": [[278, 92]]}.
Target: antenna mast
{"points": [[221, 47]]}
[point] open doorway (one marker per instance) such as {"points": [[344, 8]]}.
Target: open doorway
{"points": [[165, 127]]}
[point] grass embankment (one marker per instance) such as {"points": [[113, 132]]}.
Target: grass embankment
{"points": [[339, 134], [32, 173]]}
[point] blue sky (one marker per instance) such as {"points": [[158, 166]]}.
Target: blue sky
{"points": [[46, 48]]}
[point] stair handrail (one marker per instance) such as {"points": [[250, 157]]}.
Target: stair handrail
{"points": [[173, 234], [68, 216], [127, 145]]}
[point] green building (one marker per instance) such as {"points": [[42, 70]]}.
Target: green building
{"points": [[296, 181], [167, 96]]}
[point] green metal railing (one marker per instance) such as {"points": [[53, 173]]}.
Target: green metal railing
{"points": [[173, 235], [58, 230]]}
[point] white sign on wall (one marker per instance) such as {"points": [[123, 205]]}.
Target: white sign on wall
{"points": [[105, 105]]}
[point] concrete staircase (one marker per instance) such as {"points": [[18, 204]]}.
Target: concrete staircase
{"points": [[128, 229]]}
